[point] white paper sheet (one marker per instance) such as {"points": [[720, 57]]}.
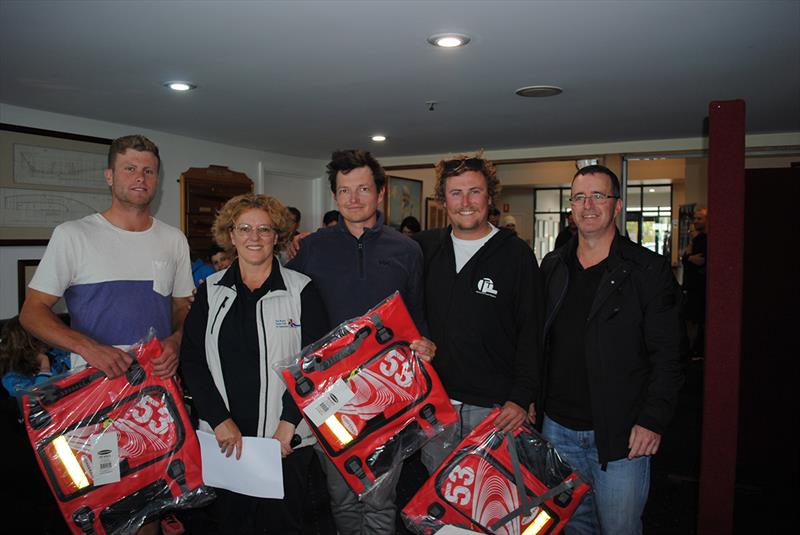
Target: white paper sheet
{"points": [[257, 473]]}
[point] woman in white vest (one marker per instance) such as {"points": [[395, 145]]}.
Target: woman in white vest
{"points": [[245, 319]]}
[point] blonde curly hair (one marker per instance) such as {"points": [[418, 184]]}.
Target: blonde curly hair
{"points": [[236, 206], [487, 169]]}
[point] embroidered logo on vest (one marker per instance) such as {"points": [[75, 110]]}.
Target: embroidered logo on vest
{"points": [[287, 323]]}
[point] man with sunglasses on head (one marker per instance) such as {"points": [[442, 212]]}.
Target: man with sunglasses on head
{"points": [[613, 338], [355, 265], [483, 302]]}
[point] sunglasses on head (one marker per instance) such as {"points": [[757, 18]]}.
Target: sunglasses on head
{"points": [[453, 167]]}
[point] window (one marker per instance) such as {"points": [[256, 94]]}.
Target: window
{"points": [[648, 220], [549, 216]]}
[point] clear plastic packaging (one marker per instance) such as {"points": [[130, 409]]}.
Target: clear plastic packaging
{"points": [[115, 452], [495, 482], [369, 399]]}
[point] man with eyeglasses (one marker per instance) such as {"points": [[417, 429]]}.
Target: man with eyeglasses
{"points": [[483, 302], [613, 338], [355, 265], [120, 272]]}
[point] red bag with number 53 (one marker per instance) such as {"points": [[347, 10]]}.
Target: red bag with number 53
{"points": [[370, 401]]}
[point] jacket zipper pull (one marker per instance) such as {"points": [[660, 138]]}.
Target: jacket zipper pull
{"points": [[214, 323]]}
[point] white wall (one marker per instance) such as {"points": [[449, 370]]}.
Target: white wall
{"points": [[294, 180]]}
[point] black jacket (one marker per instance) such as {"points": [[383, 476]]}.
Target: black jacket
{"points": [[485, 320], [634, 340]]}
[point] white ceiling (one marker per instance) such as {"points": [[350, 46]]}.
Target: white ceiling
{"points": [[304, 78]]}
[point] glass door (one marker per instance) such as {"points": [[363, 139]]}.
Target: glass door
{"points": [[649, 217]]}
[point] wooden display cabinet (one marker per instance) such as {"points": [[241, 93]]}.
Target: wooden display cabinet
{"points": [[204, 190]]}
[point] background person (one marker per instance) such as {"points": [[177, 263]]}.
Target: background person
{"points": [[201, 270], [220, 258], [494, 216], [294, 221], [245, 320], [693, 259], [510, 223], [567, 232], [410, 226], [331, 218], [26, 361]]}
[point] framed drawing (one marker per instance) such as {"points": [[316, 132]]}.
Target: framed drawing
{"points": [[25, 271], [403, 199], [435, 214], [47, 178]]}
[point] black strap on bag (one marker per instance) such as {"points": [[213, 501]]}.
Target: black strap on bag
{"points": [[527, 504]]}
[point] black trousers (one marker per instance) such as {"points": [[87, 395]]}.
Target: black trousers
{"points": [[236, 513]]}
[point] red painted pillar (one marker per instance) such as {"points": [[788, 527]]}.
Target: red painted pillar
{"points": [[723, 316]]}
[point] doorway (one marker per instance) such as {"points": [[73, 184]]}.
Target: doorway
{"points": [[767, 456]]}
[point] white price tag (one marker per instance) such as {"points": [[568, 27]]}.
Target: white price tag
{"points": [[105, 459], [333, 399]]}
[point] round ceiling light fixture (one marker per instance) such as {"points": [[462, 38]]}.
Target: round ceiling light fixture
{"points": [[379, 138], [180, 86], [539, 91], [449, 40]]}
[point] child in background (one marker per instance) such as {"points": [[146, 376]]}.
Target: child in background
{"points": [[26, 361]]}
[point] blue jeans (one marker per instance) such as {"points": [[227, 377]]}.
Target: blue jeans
{"points": [[616, 501]]}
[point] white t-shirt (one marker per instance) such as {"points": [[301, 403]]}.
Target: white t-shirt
{"points": [[466, 249], [116, 283]]}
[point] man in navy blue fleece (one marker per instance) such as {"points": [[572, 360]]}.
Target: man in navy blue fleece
{"points": [[355, 265]]}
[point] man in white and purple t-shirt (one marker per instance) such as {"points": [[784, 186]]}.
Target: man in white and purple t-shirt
{"points": [[120, 272]]}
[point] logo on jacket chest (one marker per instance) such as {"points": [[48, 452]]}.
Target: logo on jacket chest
{"points": [[486, 287], [287, 323]]}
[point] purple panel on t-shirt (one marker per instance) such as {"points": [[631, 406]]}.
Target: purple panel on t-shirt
{"points": [[118, 312]]}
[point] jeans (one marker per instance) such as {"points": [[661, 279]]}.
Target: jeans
{"points": [[615, 503], [436, 450]]}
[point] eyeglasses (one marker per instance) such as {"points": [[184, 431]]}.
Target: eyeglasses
{"points": [[245, 230], [454, 167], [596, 197]]}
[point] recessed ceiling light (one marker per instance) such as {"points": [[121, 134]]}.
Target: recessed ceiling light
{"points": [[449, 40], [539, 91], [652, 190], [378, 138], [180, 86]]}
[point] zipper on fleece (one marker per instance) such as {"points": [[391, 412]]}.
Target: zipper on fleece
{"points": [[262, 361], [360, 258], [214, 323]]}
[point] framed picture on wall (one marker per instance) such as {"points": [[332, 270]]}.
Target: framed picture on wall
{"points": [[47, 178], [403, 199], [435, 214], [25, 270]]}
